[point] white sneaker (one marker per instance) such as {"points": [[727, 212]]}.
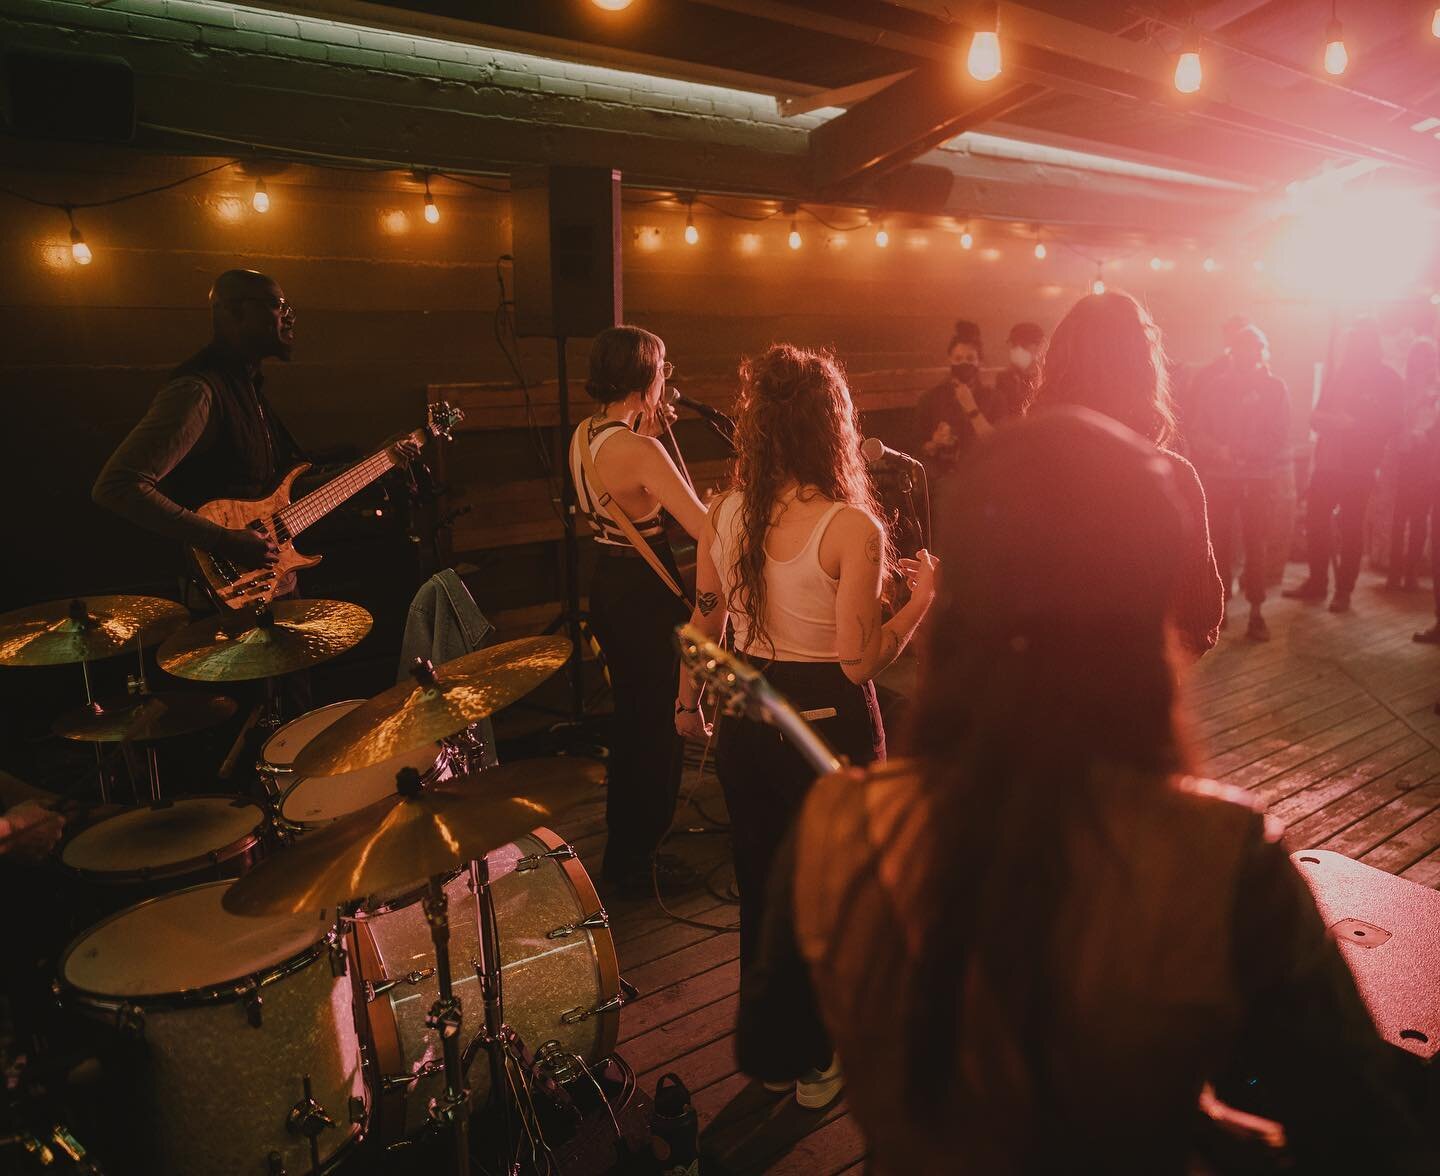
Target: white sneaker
{"points": [[816, 1089]]}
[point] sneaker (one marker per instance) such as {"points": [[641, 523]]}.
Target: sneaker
{"points": [[1430, 636], [1309, 590], [1340, 602], [1257, 629], [817, 1089], [778, 1087]]}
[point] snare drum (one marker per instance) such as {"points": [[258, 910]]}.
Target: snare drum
{"points": [[239, 1018], [308, 802], [560, 976]]}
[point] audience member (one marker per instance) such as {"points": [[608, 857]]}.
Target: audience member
{"points": [[1415, 472], [1361, 408], [957, 410], [1017, 381], [1240, 442]]}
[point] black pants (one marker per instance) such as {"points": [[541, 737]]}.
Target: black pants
{"points": [[765, 779], [633, 616], [1349, 492], [1409, 523], [1243, 504]]}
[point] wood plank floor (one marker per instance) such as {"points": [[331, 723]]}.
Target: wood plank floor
{"points": [[1331, 724]]}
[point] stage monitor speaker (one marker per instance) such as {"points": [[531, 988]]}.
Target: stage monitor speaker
{"points": [[567, 251], [55, 96]]}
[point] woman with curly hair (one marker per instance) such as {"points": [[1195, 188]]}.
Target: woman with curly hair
{"points": [[1107, 355], [796, 555]]}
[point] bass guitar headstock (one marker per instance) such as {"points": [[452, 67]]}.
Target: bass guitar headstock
{"points": [[441, 419]]}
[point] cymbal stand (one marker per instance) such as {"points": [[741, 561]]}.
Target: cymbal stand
{"points": [[94, 708], [495, 1035], [451, 1109], [141, 689]]}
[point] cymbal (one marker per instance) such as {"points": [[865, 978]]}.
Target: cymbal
{"points": [[298, 633], [401, 839], [412, 714], [85, 628], [144, 717]]}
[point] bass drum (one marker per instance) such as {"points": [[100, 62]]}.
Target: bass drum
{"points": [[235, 1022], [309, 802], [560, 978]]}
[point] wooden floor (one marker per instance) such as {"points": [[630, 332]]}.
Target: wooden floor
{"points": [[1331, 724]]}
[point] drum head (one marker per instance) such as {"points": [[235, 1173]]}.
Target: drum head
{"points": [[282, 747], [184, 942], [161, 837]]}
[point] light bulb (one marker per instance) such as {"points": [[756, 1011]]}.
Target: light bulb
{"points": [[261, 200], [983, 60], [1209, 265], [882, 238], [795, 239], [432, 214], [1040, 251], [966, 240], [692, 234], [1156, 264], [612, 5], [1187, 72], [1097, 286], [1336, 58], [78, 249]]}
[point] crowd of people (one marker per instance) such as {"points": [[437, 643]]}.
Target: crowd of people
{"points": [[1026, 940]]}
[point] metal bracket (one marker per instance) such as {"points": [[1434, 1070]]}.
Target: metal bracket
{"points": [[533, 861], [627, 993], [372, 989], [130, 1020], [445, 1016], [339, 957], [598, 921], [254, 1008]]}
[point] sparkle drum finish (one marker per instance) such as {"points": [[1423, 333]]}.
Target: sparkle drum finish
{"points": [[233, 1016], [308, 802], [560, 976]]}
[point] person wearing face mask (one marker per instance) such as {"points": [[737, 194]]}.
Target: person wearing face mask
{"points": [[1240, 441], [1016, 384], [957, 410]]}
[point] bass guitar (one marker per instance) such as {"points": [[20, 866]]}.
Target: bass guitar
{"points": [[236, 590]]}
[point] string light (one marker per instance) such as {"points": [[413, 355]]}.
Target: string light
{"points": [[1209, 265], [1098, 285], [692, 234], [882, 238], [967, 240], [795, 239], [611, 5], [1336, 57], [78, 249], [984, 61], [260, 202], [1188, 74], [1157, 264], [1040, 250], [432, 214]]}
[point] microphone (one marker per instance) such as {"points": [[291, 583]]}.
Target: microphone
{"points": [[875, 451], [716, 419]]}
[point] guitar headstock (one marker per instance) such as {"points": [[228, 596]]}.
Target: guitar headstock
{"points": [[441, 418], [737, 686]]}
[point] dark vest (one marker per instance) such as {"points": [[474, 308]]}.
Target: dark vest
{"points": [[252, 449]]}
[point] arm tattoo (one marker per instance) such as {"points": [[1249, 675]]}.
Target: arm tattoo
{"points": [[705, 602], [872, 549], [865, 632]]}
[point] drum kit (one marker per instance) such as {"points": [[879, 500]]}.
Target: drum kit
{"points": [[299, 979]]}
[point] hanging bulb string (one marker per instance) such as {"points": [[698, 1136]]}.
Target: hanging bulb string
{"points": [[67, 206]]}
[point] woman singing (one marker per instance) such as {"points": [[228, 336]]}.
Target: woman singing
{"points": [[795, 553], [1106, 355], [633, 613]]}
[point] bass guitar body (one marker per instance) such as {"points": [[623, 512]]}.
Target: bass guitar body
{"points": [[236, 589]]}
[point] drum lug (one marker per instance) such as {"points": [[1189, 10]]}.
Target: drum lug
{"points": [[254, 1004], [130, 1020], [596, 922], [357, 1109], [372, 990], [627, 993], [532, 861], [339, 958]]}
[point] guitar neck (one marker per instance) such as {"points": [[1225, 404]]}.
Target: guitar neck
{"points": [[320, 502]]}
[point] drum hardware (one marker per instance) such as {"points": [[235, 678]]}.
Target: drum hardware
{"points": [[627, 993], [372, 989], [450, 1110], [600, 918], [308, 1118], [533, 861]]}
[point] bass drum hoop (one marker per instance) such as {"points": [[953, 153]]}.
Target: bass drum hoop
{"points": [[211, 858], [221, 992]]}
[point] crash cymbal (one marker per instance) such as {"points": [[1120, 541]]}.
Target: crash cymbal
{"points": [[403, 838], [85, 628], [408, 716], [298, 633], [143, 717]]}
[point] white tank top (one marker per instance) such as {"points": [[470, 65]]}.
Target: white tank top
{"points": [[602, 523], [799, 595]]}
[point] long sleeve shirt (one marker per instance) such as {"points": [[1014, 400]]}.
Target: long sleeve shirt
{"points": [[1239, 424]]}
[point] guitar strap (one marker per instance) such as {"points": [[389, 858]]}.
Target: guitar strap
{"points": [[616, 514]]}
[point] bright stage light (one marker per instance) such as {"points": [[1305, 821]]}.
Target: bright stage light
{"points": [[1356, 246], [1336, 57], [612, 5], [1187, 72], [1435, 23]]}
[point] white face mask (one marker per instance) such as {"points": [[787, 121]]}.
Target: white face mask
{"points": [[1021, 358]]}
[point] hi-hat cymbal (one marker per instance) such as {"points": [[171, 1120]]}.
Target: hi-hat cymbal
{"points": [[403, 838], [64, 631], [147, 716], [298, 633], [412, 714]]}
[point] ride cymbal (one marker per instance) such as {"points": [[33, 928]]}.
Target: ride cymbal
{"points": [[440, 702], [406, 837], [296, 634], [85, 629], [144, 717]]}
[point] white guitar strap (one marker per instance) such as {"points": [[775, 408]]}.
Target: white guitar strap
{"points": [[616, 514]]}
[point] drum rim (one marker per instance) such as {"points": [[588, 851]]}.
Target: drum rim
{"points": [[266, 765], [221, 992], [176, 869], [291, 825]]}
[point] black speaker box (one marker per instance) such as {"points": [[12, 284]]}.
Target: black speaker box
{"points": [[567, 251], [53, 96]]}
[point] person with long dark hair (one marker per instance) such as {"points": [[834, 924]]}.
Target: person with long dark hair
{"points": [[1035, 941], [1107, 355], [796, 554], [633, 612]]}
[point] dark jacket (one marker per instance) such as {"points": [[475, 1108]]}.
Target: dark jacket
{"points": [[938, 406], [1239, 423], [1359, 412]]}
